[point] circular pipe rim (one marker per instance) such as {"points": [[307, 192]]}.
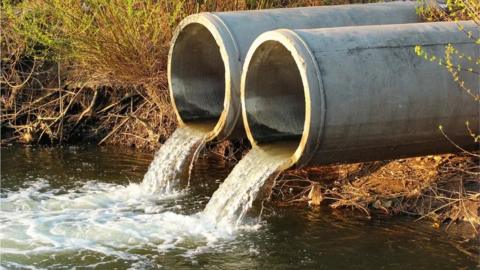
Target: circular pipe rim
{"points": [[315, 104], [229, 53]]}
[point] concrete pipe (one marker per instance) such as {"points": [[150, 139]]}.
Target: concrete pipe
{"points": [[208, 51], [353, 94]]}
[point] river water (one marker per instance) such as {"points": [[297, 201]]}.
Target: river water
{"points": [[84, 207]]}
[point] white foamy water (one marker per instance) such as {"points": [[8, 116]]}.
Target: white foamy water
{"points": [[173, 161], [112, 222], [106, 218], [109, 220], [230, 204]]}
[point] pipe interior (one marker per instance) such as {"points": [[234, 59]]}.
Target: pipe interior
{"points": [[274, 95], [197, 75]]}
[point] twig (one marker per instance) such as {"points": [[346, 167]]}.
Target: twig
{"points": [[114, 130]]}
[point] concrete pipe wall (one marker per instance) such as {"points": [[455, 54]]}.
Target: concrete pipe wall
{"points": [[208, 51], [352, 94]]}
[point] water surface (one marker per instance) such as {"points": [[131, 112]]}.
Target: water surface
{"points": [[80, 207]]}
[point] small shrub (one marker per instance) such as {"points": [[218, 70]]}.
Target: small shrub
{"points": [[454, 60]]}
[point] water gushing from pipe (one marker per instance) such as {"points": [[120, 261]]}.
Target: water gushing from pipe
{"points": [[173, 161], [230, 204]]}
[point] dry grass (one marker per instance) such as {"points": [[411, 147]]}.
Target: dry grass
{"points": [[444, 188], [74, 69]]}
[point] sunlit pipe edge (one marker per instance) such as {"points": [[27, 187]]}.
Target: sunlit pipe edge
{"points": [[231, 58], [311, 79], [315, 102]]}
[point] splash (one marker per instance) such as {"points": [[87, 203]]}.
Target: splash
{"points": [[173, 161], [255, 173], [107, 219], [114, 223], [109, 222]]}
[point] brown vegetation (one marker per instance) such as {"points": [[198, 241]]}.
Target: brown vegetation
{"points": [[443, 188]]}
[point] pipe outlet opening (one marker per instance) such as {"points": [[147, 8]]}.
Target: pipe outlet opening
{"points": [[274, 98], [197, 76]]}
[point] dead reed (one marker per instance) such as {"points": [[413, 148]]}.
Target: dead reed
{"points": [[443, 188]]}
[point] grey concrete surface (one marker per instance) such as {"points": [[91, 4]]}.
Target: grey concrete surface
{"points": [[352, 94], [208, 51]]}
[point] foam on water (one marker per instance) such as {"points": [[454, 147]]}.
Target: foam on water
{"points": [[106, 218], [102, 218]]}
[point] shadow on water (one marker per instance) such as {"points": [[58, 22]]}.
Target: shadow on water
{"points": [[288, 238]]}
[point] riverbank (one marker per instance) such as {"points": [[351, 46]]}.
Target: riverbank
{"points": [[102, 80], [441, 188]]}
